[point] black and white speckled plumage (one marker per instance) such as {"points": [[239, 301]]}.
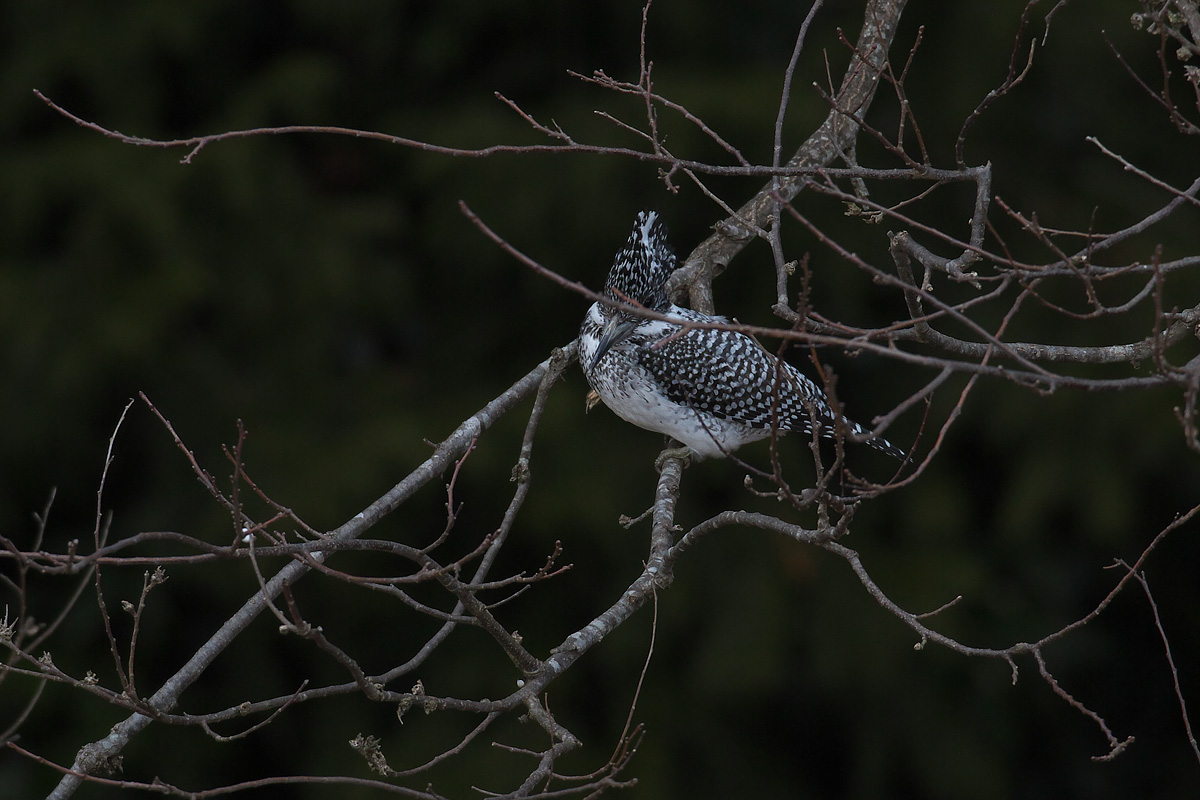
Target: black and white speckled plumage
{"points": [[713, 390]]}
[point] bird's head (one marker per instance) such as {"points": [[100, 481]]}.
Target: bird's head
{"points": [[638, 277], [640, 270]]}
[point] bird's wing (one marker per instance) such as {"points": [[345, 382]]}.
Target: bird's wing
{"points": [[732, 377], [729, 375]]}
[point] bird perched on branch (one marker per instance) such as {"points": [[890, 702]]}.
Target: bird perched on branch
{"points": [[681, 374]]}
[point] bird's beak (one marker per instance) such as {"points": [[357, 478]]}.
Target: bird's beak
{"points": [[616, 330]]}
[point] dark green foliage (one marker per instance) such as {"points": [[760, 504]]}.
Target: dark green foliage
{"points": [[327, 292]]}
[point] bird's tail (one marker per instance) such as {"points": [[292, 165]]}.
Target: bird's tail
{"points": [[878, 442]]}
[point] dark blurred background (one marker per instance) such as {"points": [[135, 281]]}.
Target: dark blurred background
{"points": [[328, 292]]}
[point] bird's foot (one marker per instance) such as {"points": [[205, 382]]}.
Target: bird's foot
{"points": [[684, 454]]}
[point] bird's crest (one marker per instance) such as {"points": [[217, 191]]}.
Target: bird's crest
{"points": [[640, 270]]}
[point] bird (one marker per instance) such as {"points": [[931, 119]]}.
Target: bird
{"points": [[710, 388]]}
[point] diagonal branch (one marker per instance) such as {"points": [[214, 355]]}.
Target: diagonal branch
{"points": [[829, 142], [95, 756]]}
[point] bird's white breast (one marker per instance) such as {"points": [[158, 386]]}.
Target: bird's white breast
{"points": [[634, 395]]}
